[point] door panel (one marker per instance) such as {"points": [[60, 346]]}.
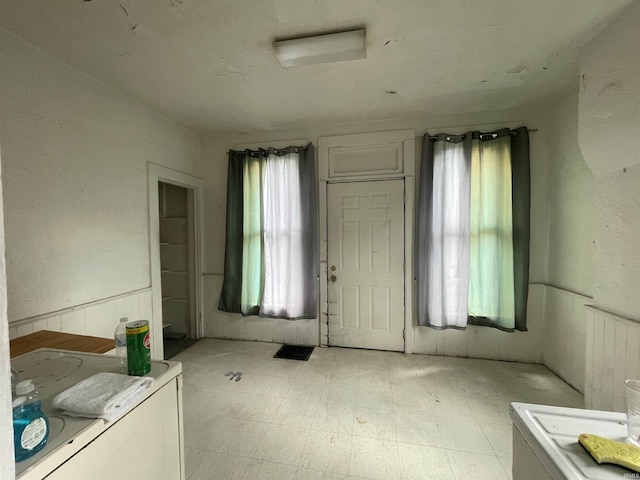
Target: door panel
{"points": [[365, 259]]}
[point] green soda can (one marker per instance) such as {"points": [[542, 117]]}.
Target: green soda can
{"points": [[138, 348]]}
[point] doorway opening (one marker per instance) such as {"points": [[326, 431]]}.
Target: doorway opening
{"points": [[367, 296], [177, 267]]}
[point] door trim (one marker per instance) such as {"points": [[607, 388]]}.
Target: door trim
{"points": [[158, 173], [408, 139]]}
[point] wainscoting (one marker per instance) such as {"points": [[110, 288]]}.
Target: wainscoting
{"points": [[97, 318], [490, 343], [233, 326], [563, 348], [612, 355]]}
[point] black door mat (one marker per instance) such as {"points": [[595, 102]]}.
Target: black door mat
{"points": [[294, 352]]}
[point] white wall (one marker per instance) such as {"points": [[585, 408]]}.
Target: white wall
{"points": [[7, 467], [570, 201], [609, 122], [565, 334], [570, 261], [603, 207], [480, 342], [617, 235], [75, 155], [609, 102]]}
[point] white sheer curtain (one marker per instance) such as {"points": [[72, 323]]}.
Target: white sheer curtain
{"points": [[448, 247], [282, 233]]}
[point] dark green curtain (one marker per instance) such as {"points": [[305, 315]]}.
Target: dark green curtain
{"points": [[310, 220], [232, 286], [521, 203]]}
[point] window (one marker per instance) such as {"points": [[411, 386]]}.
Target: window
{"points": [[270, 252], [473, 224]]}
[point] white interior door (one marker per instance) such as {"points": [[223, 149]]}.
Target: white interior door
{"points": [[365, 254]]}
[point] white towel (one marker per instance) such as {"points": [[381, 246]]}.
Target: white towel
{"points": [[104, 395]]}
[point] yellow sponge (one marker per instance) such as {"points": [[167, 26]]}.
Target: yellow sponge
{"points": [[610, 451]]}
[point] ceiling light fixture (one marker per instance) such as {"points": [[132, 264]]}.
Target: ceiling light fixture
{"points": [[329, 47]]}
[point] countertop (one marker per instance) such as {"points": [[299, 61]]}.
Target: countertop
{"points": [[59, 340]]}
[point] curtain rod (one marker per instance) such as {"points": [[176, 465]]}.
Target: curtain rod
{"points": [[277, 151], [435, 137]]}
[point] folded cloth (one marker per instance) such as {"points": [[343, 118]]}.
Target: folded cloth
{"points": [[104, 395]]}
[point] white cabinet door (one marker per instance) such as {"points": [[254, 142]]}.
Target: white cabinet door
{"points": [[526, 465], [366, 264], [143, 445]]}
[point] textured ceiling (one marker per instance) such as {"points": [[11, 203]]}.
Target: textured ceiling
{"points": [[210, 65]]}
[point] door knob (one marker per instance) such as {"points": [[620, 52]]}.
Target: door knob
{"points": [[333, 278]]}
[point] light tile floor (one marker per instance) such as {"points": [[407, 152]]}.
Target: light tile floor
{"points": [[348, 414]]}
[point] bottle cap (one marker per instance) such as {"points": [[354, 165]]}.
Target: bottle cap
{"points": [[25, 387], [18, 401], [124, 319]]}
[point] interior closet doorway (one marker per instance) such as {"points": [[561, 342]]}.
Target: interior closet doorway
{"points": [[175, 232], [177, 267]]}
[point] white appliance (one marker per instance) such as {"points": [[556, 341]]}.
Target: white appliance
{"points": [[545, 443], [146, 443]]}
